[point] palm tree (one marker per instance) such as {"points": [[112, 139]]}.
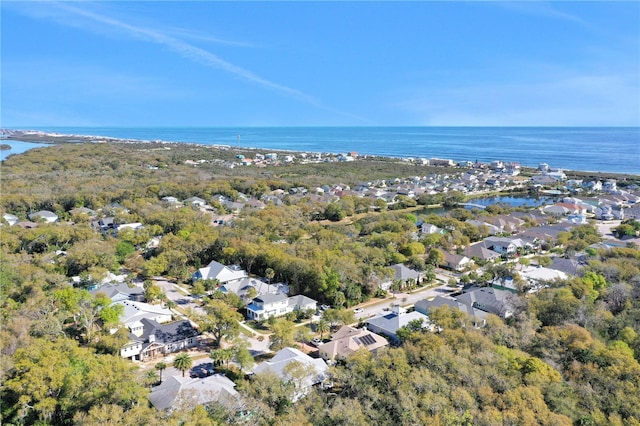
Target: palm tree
{"points": [[322, 327], [160, 367], [150, 378], [183, 362], [269, 274], [221, 355]]}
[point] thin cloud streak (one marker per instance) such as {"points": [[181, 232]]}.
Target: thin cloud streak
{"points": [[204, 57]]}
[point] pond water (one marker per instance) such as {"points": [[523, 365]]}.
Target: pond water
{"points": [[513, 201], [18, 147]]}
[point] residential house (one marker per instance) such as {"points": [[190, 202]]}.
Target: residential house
{"points": [[83, 210], [44, 215], [480, 252], [388, 324], [171, 200], [280, 364], [507, 246], [455, 261], [490, 228], [402, 274], [427, 228], [10, 219], [543, 180], [564, 209], [217, 271], [539, 277], [150, 339], [177, 392], [134, 312], [105, 224], [348, 340], [477, 302], [195, 202], [567, 266], [242, 287], [277, 305], [120, 291]]}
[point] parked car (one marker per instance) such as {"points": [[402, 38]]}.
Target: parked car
{"points": [[324, 307], [316, 341], [358, 310]]}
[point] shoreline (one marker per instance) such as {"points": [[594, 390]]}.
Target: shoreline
{"points": [[42, 137]]}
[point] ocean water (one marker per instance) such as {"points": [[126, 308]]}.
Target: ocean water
{"points": [[613, 149]]}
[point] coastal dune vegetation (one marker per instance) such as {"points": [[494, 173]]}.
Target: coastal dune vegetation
{"points": [[569, 354]]}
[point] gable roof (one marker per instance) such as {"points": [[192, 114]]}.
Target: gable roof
{"points": [[347, 340], [177, 390], [568, 266], [486, 299], [136, 311], [271, 298], [316, 367], [479, 251], [222, 273], [167, 333], [113, 290], [404, 273], [390, 323], [44, 214]]}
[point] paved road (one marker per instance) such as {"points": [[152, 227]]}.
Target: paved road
{"points": [[404, 299]]}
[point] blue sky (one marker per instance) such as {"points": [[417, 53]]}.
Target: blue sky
{"points": [[320, 63]]}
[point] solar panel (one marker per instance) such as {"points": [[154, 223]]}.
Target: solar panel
{"points": [[367, 339]]}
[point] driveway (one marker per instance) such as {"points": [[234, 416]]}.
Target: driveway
{"points": [[177, 295]]}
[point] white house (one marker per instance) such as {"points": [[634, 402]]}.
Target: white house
{"points": [[135, 312], [10, 219], [389, 323], [281, 363], [218, 271], [277, 305], [44, 215]]}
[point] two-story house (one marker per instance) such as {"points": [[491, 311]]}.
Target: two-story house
{"points": [[276, 305]]}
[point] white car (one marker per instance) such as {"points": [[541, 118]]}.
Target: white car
{"points": [[358, 310]]}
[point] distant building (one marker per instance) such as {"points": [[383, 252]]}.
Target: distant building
{"points": [[44, 215]]}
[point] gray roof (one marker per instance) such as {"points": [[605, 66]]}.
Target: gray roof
{"points": [[113, 289], [300, 301], [568, 266], [390, 323], [168, 333], [180, 392], [404, 273], [46, 214], [271, 298], [486, 299], [424, 306], [316, 368], [480, 251]]}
